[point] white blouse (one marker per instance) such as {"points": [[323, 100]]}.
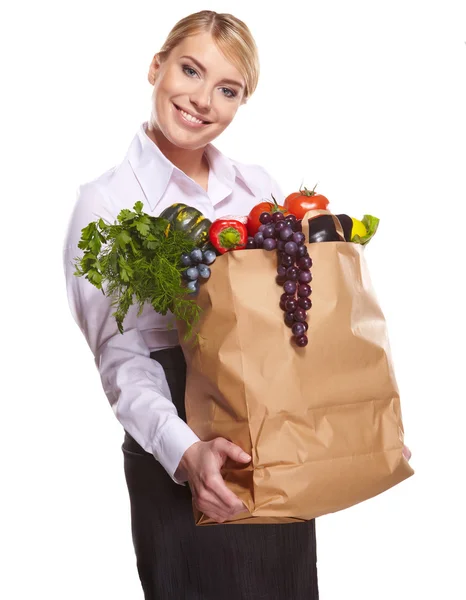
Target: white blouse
{"points": [[135, 384]]}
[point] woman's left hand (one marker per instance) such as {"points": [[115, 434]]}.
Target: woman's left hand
{"points": [[406, 452]]}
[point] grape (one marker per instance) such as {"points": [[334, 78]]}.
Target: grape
{"points": [[250, 244], [302, 251], [289, 287], [298, 329], [279, 225], [287, 260], [204, 271], [208, 257], [304, 276], [305, 263], [193, 286], [289, 318], [280, 244], [286, 233], [191, 274], [300, 314], [261, 227], [265, 218], [259, 239], [291, 218], [298, 238], [291, 248], [269, 244], [278, 216], [304, 290], [281, 270], [302, 341], [196, 255], [305, 303], [292, 273], [268, 231], [291, 305], [185, 260]]}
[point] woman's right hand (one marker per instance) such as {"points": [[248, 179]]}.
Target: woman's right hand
{"points": [[200, 465]]}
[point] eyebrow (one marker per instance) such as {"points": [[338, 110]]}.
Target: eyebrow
{"points": [[203, 69]]}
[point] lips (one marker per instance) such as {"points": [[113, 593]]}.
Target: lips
{"points": [[186, 111]]}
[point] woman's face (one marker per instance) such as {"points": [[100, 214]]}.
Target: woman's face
{"points": [[181, 83]]}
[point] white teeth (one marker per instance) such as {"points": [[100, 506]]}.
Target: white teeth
{"points": [[188, 117]]}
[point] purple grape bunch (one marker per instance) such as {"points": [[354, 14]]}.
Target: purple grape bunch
{"points": [[284, 234]]}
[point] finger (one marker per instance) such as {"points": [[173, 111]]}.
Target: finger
{"points": [[229, 501], [406, 452], [216, 517], [210, 503], [213, 508], [232, 450], [216, 513]]}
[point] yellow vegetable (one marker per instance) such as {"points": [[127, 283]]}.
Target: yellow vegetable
{"points": [[358, 228]]}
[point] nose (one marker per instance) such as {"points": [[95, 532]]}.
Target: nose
{"points": [[202, 100]]}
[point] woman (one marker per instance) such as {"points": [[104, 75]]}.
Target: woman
{"points": [[207, 68]]}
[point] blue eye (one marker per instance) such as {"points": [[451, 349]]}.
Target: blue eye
{"points": [[185, 67], [231, 94]]}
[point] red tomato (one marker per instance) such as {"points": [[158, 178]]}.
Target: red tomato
{"points": [[298, 203], [253, 223]]}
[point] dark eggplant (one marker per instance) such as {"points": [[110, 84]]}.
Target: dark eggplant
{"points": [[322, 229], [347, 224]]}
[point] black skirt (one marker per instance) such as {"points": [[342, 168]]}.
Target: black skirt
{"points": [[177, 560]]}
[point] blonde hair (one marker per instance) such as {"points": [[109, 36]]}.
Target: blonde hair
{"points": [[232, 37]]}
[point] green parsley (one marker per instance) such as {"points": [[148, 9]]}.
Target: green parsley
{"points": [[138, 257]]}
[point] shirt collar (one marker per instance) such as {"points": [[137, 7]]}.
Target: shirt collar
{"points": [[146, 159]]}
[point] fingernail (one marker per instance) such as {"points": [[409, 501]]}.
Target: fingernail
{"points": [[245, 456]]}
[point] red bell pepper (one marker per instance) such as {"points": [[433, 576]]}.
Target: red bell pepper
{"points": [[228, 234]]}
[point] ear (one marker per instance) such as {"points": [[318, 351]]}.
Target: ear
{"points": [[153, 69]]}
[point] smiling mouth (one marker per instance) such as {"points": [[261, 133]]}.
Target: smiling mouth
{"points": [[196, 121]]}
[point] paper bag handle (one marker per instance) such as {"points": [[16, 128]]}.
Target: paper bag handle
{"points": [[315, 212]]}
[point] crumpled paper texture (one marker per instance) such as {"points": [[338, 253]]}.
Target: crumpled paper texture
{"points": [[322, 423]]}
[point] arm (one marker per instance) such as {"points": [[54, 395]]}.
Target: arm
{"points": [[134, 384]]}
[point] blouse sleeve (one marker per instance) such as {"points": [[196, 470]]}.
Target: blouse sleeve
{"points": [[134, 383]]}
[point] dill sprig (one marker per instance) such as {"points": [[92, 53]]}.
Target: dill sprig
{"points": [[138, 258]]}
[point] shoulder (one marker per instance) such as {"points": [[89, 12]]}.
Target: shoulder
{"points": [[93, 201], [104, 193], [92, 198], [103, 185]]}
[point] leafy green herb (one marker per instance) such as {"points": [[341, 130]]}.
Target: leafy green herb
{"points": [[371, 223], [138, 257]]}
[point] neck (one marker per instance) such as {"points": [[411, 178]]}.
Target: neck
{"points": [[192, 162]]}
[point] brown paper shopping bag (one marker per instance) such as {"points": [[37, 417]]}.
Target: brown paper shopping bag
{"points": [[322, 423]]}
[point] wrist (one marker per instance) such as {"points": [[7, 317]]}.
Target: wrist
{"points": [[182, 472]]}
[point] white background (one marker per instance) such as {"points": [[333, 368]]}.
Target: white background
{"points": [[366, 98]]}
